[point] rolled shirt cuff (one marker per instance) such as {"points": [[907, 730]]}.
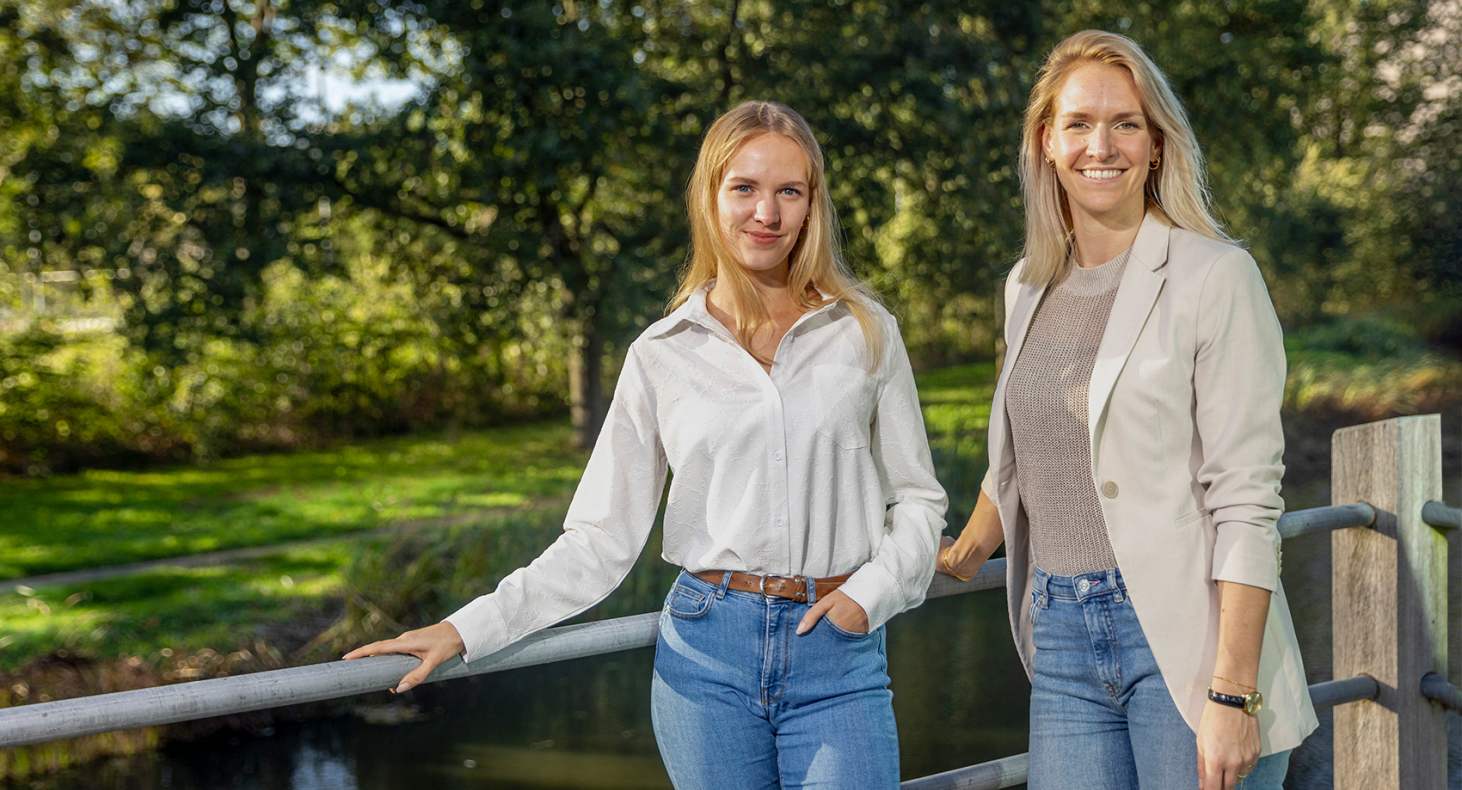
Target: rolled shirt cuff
{"points": [[481, 626], [874, 589]]}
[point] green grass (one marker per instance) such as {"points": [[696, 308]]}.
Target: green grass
{"points": [[106, 517], [956, 403], [155, 614], [111, 517], [99, 518]]}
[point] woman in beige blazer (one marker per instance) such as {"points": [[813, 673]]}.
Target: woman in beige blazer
{"points": [[1135, 452]]}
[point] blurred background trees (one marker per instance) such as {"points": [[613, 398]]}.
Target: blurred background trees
{"points": [[213, 237]]}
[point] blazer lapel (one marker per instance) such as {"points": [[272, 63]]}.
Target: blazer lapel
{"points": [[1136, 294], [1026, 299]]}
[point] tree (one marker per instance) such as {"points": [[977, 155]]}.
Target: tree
{"points": [[543, 151]]}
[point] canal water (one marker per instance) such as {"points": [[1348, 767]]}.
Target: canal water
{"points": [[959, 695]]}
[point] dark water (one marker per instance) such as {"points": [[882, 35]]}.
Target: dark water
{"points": [[959, 696]]}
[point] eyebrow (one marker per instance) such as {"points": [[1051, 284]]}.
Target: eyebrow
{"points": [[1121, 116], [746, 180]]}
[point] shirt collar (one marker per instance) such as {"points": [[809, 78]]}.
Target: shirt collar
{"points": [[693, 310]]}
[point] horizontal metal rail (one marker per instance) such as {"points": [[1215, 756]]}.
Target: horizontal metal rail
{"points": [[201, 699], [1004, 772], [1329, 693], [1440, 690], [1326, 519], [1012, 771], [1441, 516]]}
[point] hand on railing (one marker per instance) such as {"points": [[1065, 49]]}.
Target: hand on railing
{"points": [[433, 645], [982, 534], [964, 570]]}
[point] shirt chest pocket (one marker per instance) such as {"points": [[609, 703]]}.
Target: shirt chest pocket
{"points": [[844, 397]]}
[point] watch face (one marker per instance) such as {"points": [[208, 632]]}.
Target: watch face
{"points": [[1253, 702]]}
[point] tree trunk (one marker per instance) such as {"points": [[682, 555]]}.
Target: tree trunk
{"points": [[587, 402]]}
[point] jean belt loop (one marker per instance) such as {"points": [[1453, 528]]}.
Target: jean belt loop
{"points": [[811, 589], [1043, 587], [725, 583], [1112, 583]]}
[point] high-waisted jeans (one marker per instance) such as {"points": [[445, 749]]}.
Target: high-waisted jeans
{"points": [[1101, 715], [740, 701]]}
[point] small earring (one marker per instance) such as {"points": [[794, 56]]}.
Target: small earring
{"points": [[1050, 162], [1154, 163]]}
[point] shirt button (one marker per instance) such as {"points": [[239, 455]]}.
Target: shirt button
{"points": [[777, 455], [1109, 490]]}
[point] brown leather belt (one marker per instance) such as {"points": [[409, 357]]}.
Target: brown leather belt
{"points": [[790, 587]]}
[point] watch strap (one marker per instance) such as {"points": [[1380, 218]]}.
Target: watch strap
{"points": [[1231, 700], [1249, 703]]}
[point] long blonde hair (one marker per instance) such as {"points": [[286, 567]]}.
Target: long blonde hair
{"points": [[816, 259], [1176, 190]]}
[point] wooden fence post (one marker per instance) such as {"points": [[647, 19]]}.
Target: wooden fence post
{"points": [[1389, 599]]}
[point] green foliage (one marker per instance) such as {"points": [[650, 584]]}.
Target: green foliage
{"points": [[1367, 337], [1368, 368], [60, 399], [284, 274], [329, 357]]}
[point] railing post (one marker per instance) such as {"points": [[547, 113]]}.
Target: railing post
{"points": [[1389, 599]]}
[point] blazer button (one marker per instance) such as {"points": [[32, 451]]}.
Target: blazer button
{"points": [[1109, 490]]}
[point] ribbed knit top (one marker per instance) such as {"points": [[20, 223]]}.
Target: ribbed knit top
{"points": [[1046, 401]]}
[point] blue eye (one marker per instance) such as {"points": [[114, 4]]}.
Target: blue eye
{"points": [[794, 191], [742, 188]]}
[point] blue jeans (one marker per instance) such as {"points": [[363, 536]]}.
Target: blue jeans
{"points": [[1101, 715], [740, 701]]}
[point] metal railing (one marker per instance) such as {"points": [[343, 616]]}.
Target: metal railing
{"points": [[1395, 463], [47, 721]]}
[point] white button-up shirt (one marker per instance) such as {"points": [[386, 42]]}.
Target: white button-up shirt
{"points": [[819, 468]]}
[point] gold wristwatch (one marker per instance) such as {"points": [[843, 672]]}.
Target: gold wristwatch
{"points": [[1250, 703]]}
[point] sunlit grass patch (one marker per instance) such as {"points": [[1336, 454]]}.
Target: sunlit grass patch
{"points": [[107, 517], [172, 609], [956, 403]]}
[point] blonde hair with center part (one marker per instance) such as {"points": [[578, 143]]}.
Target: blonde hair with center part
{"points": [[1176, 190], [815, 260]]}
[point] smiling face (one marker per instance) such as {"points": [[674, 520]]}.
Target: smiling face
{"points": [[763, 201], [1101, 144]]}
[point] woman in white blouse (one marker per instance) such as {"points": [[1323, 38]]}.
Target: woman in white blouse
{"points": [[803, 505]]}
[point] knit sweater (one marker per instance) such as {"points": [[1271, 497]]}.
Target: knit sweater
{"points": [[1046, 400]]}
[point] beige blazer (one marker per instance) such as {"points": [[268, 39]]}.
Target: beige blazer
{"points": [[1183, 414]]}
